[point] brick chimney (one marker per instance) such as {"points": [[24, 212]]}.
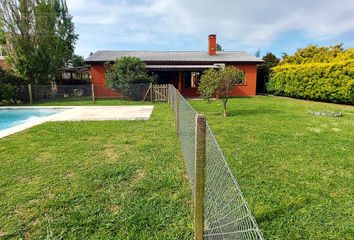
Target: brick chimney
{"points": [[212, 44]]}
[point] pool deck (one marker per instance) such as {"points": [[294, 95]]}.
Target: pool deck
{"points": [[83, 113]]}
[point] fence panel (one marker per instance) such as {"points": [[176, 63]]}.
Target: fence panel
{"points": [[134, 92], [51, 92], [226, 213]]}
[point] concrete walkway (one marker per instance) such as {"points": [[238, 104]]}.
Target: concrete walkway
{"points": [[83, 113], [103, 113]]}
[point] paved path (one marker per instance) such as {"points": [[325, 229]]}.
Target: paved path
{"points": [[102, 113]]}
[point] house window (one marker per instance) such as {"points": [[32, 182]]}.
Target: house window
{"points": [[244, 79], [191, 79]]}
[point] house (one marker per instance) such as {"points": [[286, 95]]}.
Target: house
{"points": [[183, 69]]}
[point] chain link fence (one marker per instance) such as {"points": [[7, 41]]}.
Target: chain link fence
{"points": [[226, 213], [34, 93]]}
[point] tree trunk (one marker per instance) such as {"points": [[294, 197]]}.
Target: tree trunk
{"points": [[225, 106]]}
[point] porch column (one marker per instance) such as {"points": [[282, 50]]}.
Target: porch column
{"points": [[180, 80]]}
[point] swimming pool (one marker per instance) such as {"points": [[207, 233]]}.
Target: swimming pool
{"points": [[14, 117]]}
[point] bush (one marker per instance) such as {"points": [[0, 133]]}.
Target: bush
{"points": [[333, 82], [125, 72], [9, 86], [209, 84]]}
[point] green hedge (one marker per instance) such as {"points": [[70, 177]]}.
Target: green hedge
{"points": [[333, 82], [9, 84]]}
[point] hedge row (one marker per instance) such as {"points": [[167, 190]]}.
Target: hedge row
{"points": [[9, 86], [332, 82]]}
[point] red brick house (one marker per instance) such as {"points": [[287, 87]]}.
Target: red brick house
{"points": [[181, 68]]}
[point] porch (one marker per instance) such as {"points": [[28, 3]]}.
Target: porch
{"points": [[185, 78]]}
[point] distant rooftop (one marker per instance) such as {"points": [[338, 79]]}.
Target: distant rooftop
{"points": [[175, 56]]}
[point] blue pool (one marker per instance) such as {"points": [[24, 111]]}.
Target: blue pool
{"points": [[13, 117]]}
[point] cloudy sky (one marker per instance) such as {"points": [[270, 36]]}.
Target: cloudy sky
{"points": [[269, 25]]}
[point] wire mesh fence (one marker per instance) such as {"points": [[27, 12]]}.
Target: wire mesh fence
{"points": [[29, 93], [226, 213], [50, 92]]}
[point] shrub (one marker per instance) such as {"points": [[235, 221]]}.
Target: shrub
{"points": [[125, 72], [209, 84], [9, 85], [332, 82]]}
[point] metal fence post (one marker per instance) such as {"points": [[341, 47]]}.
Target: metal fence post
{"points": [[200, 132], [93, 92], [177, 111], [30, 93]]}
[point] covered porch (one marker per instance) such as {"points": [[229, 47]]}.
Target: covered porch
{"points": [[185, 78]]}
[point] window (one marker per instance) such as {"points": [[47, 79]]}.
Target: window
{"points": [[191, 79], [245, 79]]}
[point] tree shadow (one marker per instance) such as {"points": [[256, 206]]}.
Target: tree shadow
{"points": [[253, 112]]}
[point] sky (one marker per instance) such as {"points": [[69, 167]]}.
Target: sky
{"points": [[268, 25]]}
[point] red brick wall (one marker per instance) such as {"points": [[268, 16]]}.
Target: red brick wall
{"points": [[98, 72], [248, 89]]}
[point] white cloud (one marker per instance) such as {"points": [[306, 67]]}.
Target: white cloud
{"points": [[254, 23]]}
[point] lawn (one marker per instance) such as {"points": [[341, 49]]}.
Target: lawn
{"points": [[95, 180], [295, 168]]}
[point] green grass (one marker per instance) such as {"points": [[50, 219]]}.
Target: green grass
{"points": [[295, 169], [95, 180]]}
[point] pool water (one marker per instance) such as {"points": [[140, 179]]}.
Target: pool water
{"points": [[13, 117]]}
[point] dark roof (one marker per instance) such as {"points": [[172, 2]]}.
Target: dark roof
{"points": [[175, 56]]}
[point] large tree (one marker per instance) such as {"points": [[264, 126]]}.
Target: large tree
{"points": [[39, 36]]}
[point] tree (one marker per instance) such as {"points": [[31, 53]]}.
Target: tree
{"points": [[220, 83], [125, 72], [40, 37], [315, 54], [219, 47], [17, 20], [258, 53], [2, 39], [209, 84], [77, 61], [264, 70], [65, 32], [229, 76]]}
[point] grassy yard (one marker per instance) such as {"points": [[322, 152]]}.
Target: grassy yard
{"points": [[95, 180], [295, 169]]}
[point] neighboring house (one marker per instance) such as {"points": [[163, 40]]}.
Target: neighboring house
{"points": [[182, 68]]}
